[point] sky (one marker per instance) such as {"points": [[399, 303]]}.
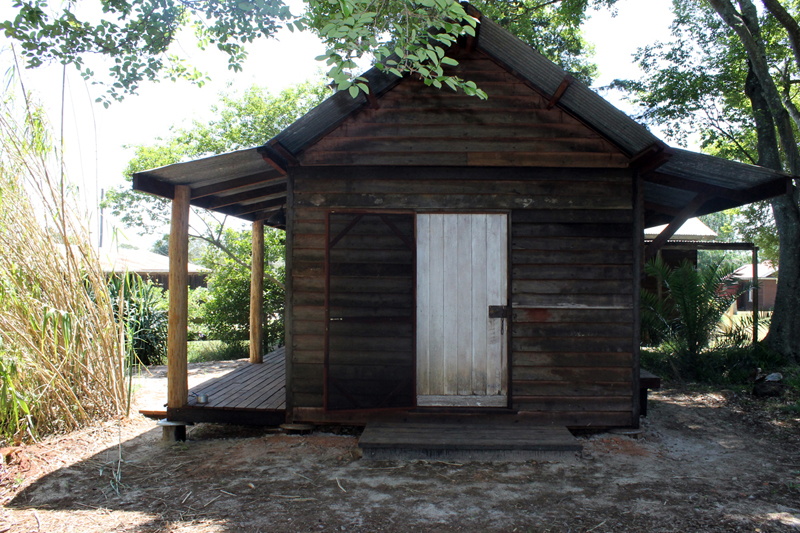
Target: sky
{"points": [[98, 140]]}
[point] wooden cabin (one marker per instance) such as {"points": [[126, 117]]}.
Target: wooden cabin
{"points": [[447, 253]]}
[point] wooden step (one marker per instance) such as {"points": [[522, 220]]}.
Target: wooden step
{"points": [[489, 438]]}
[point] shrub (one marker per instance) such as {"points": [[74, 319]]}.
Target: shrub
{"points": [[140, 306], [686, 323]]}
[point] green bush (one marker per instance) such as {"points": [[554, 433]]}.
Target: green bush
{"points": [[686, 326], [226, 313], [140, 306]]}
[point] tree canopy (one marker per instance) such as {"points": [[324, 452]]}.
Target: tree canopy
{"points": [[401, 36], [730, 75]]}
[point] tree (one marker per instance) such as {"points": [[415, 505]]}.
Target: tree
{"points": [[241, 121], [137, 36], [225, 314], [730, 75], [402, 36]]}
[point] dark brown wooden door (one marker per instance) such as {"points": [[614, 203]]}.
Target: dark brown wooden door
{"points": [[369, 357]]}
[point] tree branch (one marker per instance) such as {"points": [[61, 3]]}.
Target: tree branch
{"points": [[226, 251], [789, 24]]}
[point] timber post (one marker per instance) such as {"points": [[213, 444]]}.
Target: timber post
{"points": [[257, 294], [177, 375], [755, 295]]}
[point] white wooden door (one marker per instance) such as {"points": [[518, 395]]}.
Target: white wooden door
{"points": [[461, 272]]}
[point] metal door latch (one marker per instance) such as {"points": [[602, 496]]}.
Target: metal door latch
{"points": [[498, 311]]}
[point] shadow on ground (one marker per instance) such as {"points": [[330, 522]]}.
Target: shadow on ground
{"points": [[697, 469]]}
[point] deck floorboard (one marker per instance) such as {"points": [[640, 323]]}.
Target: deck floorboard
{"points": [[255, 393]]}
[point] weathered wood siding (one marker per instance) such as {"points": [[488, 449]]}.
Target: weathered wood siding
{"points": [[421, 125], [571, 204], [572, 298], [571, 275]]}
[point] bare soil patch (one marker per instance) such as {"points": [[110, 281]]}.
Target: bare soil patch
{"points": [[703, 464]]}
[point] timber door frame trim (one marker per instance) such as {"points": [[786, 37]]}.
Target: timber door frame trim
{"points": [[509, 302], [326, 348]]}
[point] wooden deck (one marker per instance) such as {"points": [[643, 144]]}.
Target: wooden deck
{"points": [[254, 394], [499, 438]]}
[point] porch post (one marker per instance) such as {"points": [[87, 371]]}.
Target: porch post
{"points": [[755, 294], [257, 293], [177, 378]]}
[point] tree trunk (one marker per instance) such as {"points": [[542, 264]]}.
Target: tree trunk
{"points": [[784, 331], [769, 112]]}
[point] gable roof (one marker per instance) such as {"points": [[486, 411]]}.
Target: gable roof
{"points": [[250, 183]]}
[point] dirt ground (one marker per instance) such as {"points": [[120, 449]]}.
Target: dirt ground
{"points": [[705, 463]]}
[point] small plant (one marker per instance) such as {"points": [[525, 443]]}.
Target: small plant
{"points": [[685, 324]]}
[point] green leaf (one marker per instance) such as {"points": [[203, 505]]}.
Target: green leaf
{"points": [[353, 90]]}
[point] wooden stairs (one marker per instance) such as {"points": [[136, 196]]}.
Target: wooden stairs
{"points": [[466, 438]]}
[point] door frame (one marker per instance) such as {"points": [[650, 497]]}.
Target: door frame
{"points": [[510, 317]]}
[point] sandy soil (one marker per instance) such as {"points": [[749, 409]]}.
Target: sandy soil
{"points": [[701, 466]]}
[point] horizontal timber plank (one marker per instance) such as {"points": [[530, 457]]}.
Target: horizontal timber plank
{"points": [[455, 101], [553, 257], [572, 374], [308, 312], [465, 116], [581, 287], [556, 315], [572, 300], [387, 372], [575, 419], [373, 312], [621, 187], [308, 298], [459, 174], [312, 357], [308, 327], [372, 358], [479, 159], [576, 403], [463, 201], [302, 240], [305, 400], [354, 299], [371, 343], [371, 270], [558, 389], [386, 144], [309, 227], [571, 330], [575, 216], [584, 344], [602, 359], [308, 342], [381, 329], [581, 231], [573, 272], [308, 255], [571, 243], [540, 131], [308, 215], [308, 269]]}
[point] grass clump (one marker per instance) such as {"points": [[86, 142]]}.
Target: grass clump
{"points": [[208, 351], [62, 353]]}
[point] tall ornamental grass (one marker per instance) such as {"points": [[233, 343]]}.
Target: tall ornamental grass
{"points": [[62, 355]]}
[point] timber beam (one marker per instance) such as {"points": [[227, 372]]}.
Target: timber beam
{"points": [[253, 208], [263, 178], [273, 158], [685, 214], [149, 184], [268, 192], [562, 88]]}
